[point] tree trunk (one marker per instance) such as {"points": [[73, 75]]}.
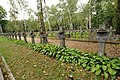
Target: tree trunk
{"points": [[1, 31], [117, 17], [42, 24], [90, 15]]}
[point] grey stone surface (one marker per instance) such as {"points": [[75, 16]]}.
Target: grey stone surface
{"points": [[19, 35], [102, 35], [24, 35], [62, 36], [32, 37], [43, 37], [1, 75]]}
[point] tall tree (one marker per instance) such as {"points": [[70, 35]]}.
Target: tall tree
{"points": [[117, 17], [104, 12], [25, 9], [68, 9], [2, 13], [13, 13], [41, 18], [46, 17], [2, 16]]}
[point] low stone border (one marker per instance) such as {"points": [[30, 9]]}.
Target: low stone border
{"points": [[7, 68], [1, 75]]}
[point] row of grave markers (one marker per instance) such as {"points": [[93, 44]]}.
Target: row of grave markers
{"points": [[42, 35], [101, 36]]}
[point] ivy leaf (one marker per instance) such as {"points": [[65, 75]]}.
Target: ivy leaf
{"points": [[105, 58], [103, 63], [98, 72], [104, 67], [108, 65], [84, 64], [115, 66], [112, 71], [113, 77], [105, 75], [93, 69], [88, 67], [50, 54], [98, 66], [61, 58]]}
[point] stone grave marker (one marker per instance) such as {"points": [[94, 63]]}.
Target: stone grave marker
{"points": [[62, 36], [102, 35], [19, 35], [32, 37], [24, 35]]}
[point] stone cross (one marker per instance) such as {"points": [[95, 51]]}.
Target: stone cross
{"points": [[12, 35], [15, 35], [62, 36], [102, 35], [40, 37], [24, 35], [19, 35], [32, 37], [43, 36], [9, 35]]}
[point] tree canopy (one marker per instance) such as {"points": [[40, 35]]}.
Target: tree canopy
{"points": [[69, 13], [2, 13]]}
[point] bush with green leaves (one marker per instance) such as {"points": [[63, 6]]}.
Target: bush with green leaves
{"points": [[90, 61]]}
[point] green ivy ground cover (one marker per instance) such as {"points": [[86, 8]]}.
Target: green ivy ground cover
{"points": [[99, 65], [27, 64]]}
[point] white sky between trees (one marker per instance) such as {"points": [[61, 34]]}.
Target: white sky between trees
{"points": [[33, 5]]}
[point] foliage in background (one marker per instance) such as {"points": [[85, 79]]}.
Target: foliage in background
{"points": [[69, 13], [2, 16], [102, 12], [2, 13]]}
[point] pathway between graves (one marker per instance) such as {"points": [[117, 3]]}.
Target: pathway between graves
{"points": [[111, 49]]}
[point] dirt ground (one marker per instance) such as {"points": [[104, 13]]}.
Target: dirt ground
{"points": [[112, 50]]}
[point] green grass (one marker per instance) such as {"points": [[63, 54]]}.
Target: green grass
{"points": [[27, 64]]}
